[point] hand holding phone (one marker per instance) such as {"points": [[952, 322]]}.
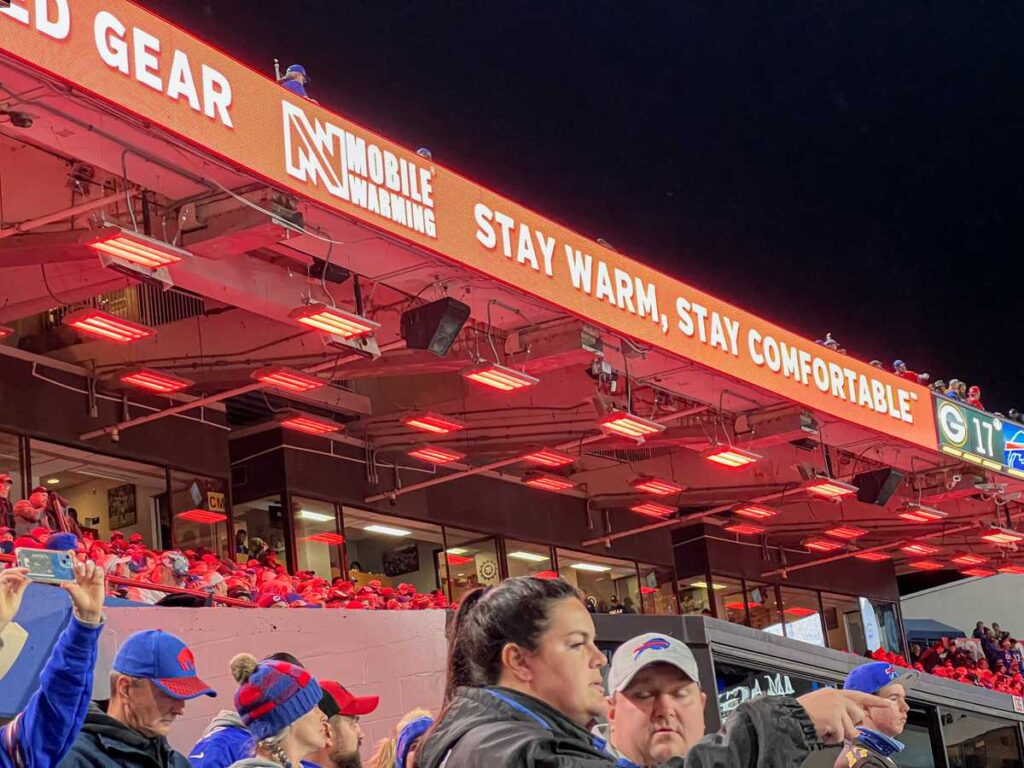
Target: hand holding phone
{"points": [[47, 565]]}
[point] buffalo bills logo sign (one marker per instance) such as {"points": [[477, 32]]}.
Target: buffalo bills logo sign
{"points": [[186, 660], [654, 644]]}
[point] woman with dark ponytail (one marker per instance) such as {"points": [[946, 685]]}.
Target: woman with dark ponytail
{"points": [[524, 684]]}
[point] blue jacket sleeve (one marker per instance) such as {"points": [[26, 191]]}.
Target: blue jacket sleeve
{"points": [[45, 731], [222, 748]]}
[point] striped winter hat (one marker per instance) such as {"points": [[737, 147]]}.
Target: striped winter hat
{"points": [[272, 694]]}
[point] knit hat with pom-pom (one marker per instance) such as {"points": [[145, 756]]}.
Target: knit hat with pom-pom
{"points": [[272, 694]]}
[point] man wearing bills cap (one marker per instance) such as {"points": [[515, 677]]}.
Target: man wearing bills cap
{"points": [[655, 704], [877, 743], [154, 674]]}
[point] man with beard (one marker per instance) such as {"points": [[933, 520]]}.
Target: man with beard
{"points": [[344, 734], [877, 743]]}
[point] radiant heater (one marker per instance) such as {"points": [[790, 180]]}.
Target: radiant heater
{"points": [[730, 456], [334, 321], [745, 529], [137, 249], [155, 381], [625, 424], [873, 557], [846, 532], [827, 488], [997, 535], [499, 377], [925, 565], [103, 325], [653, 509], [5, 331], [919, 513], [432, 422], [310, 425], [968, 558], [433, 454], [655, 485], [919, 548], [547, 482], [755, 511], [549, 457], [816, 544], [288, 379]]}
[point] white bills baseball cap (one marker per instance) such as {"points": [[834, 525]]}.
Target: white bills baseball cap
{"points": [[644, 650]]}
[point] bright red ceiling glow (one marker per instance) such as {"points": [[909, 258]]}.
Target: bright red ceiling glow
{"points": [[821, 545], [739, 605], [648, 590], [326, 538], [873, 557], [919, 548], [755, 511], [332, 320], [828, 488], [106, 326], [730, 456], [745, 529], [628, 425], [433, 422], [434, 454], [547, 482], [5, 331], [549, 457], [155, 381], [968, 558], [925, 565], [500, 377], [652, 509], [546, 575], [655, 485], [311, 425], [202, 516], [288, 379], [458, 559], [996, 535], [1014, 569], [846, 532], [918, 513], [979, 573], [800, 612], [138, 249]]}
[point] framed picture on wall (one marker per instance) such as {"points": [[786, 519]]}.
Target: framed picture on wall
{"points": [[401, 560], [121, 509]]}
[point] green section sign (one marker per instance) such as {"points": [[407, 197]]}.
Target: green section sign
{"points": [[970, 434]]}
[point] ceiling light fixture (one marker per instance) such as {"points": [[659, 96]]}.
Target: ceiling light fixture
{"points": [[979, 573], [703, 585], [316, 517], [386, 530], [155, 381], [755, 511], [873, 557], [730, 456], [996, 535], [655, 485], [653, 509], [457, 551], [202, 516], [547, 482], [925, 565], [500, 377], [592, 567], [332, 320], [1012, 569], [5, 331], [745, 529], [549, 457], [846, 532], [310, 425], [433, 454], [103, 325], [287, 379], [529, 557], [625, 424], [919, 513], [137, 249], [968, 558], [816, 544], [827, 488], [432, 422], [919, 548]]}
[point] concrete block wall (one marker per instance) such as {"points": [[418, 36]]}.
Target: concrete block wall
{"points": [[399, 656]]}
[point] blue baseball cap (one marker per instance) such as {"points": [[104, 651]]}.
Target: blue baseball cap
{"points": [[297, 69], [164, 660], [873, 677]]}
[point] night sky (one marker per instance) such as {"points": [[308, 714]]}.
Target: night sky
{"points": [[853, 167]]}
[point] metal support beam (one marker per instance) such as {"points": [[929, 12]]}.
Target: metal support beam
{"points": [[50, 218]]}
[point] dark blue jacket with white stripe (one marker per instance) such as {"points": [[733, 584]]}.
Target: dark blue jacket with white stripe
{"points": [[43, 733]]}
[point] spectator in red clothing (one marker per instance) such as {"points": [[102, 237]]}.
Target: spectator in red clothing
{"points": [[900, 369], [974, 397]]}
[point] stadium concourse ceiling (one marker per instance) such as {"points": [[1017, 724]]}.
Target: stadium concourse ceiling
{"points": [[246, 275]]}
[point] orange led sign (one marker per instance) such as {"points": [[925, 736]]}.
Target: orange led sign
{"points": [[149, 68]]}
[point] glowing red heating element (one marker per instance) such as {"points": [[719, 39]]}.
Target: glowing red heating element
{"points": [[436, 455], [1015, 569], [546, 482], [730, 456], [648, 590], [821, 545], [332, 320], [202, 516], [739, 605], [288, 379], [326, 538], [919, 548], [106, 326], [873, 557], [433, 422], [925, 565], [828, 488], [458, 559], [549, 457], [311, 425], [155, 381], [996, 535], [655, 485], [968, 558], [499, 377], [755, 511], [652, 509], [919, 513], [627, 425], [745, 529], [846, 532], [5, 331], [138, 249], [800, 612], [980, 573]]}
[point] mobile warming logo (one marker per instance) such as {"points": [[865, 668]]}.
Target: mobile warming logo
{"points": [[358, 171]]}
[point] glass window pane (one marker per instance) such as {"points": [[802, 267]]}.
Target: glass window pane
{"points": [[887, 624], [693, 596], [393, 550], [802, 616], [844, 624], [104, 493], [608, 584], [729, 601], [10, 466], [317, 541], [656, 595], [191, 496], [974, 741], [471, 561], [259, 530], [764, 612], [528, 559]]}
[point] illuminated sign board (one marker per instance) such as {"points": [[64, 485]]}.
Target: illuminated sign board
{"points": [[979, 437], [147, 67]]}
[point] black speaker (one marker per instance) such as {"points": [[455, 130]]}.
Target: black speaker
{"points": [[877, 486], [434, 326]]}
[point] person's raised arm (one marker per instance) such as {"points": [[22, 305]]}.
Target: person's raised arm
{"points": [[44, 732], [13, 583]]}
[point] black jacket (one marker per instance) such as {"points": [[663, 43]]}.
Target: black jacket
{"points": [[494, 727], [108, 743]]}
